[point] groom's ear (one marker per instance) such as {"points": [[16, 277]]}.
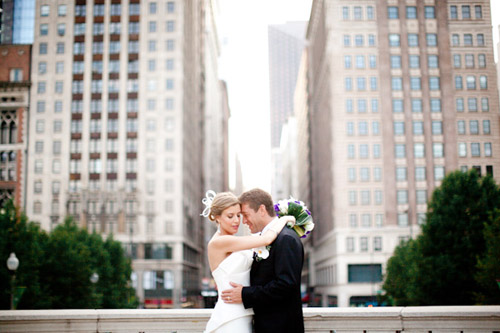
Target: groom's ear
{"points": [[262, 210]]}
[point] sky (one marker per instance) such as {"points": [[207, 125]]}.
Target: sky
{"points": [[242, 28]]}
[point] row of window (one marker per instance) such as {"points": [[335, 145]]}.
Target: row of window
{"points": [[475, 149], [420, 173], [363, 128], [413, 40], [359, 40], [363, 244], [411, 12], [466, 12], [402, 197], [365, 220], [467, 40], [415, 83], [473, 127], [360, 61], [416, 104], [365, 197], [111, 185], [112, 145], [472, 104], [361, 83], [469, 60], [414, 61], [364, 174], [114, 28], [419, 150], [361, 105], [418, 127], [95, 165], [470, 82], [115, 9], [363, 151]]}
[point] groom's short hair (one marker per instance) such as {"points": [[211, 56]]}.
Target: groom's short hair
{"points": [[256, 197]]}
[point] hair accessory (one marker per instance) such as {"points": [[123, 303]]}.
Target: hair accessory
{"points": [[207, 201]]}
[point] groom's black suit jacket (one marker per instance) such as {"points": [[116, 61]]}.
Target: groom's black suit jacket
{"points": [[274, 292]]}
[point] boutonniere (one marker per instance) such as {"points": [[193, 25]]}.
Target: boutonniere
{"points": [[261, 253]]}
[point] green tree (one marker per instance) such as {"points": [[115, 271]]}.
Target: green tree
{"points": [[27, 241], [401, 274], [488, 267], [452, 238]]}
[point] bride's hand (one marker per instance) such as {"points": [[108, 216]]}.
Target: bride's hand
{"points": [[289, 219], [276, 228]]}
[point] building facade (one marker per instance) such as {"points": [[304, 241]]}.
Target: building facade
{"points": [[17, 19], [400, 93], [117, 132], [14, 109]]}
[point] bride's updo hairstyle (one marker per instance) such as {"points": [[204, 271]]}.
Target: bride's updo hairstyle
{"points": [[222, 201]]}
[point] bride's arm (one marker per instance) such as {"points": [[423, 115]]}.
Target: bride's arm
{"points": [[231, 243]]}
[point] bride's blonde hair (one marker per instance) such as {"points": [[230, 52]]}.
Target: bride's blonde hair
{"points": [[222, 201]]}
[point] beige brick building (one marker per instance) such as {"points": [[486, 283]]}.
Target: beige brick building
{"points": [[400, 93]]}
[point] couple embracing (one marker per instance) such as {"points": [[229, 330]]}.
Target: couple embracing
{"points": [[259, 290]]}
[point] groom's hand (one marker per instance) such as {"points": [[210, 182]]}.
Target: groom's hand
{"points": [[232, 296]]}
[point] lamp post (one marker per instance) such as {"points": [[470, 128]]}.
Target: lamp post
{"points": [[12, 264], [94, 278]]}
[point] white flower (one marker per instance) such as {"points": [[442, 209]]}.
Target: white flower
{"points": [[283, 206], [261, 252], [309, 226]]}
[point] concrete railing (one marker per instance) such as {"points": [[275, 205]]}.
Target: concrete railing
{"points": [[459, 319]]}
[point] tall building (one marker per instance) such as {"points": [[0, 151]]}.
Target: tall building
{"points": [[400, 93], [14, 108], [17, 19], [117, 132], [286, 42]]}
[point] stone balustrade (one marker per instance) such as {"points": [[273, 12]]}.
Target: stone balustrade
{"points": [[440, 319]]}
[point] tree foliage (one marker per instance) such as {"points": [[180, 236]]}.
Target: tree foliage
{"points": [[56, 267], [438, 268]]}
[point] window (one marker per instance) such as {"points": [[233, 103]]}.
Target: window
{"points": [[60, 48], [458, 82], [469, 61], [397, 105], [392, 12], [350, 244], [351, 172], [430, 12], [401, 174], [462, 149], [360, 61], [474, 127], [415, 83], [44, 10], [478, 11], [416, 105], [475, 149], [134, 9], [347, 40], [466, 12], [459, 104], [170, 26], [359, 40], [480, 39], [414, 61], [61, 29], [420, 174], [350, 151], [374, 103], [169, 64], [365, 273], [348, 83], [438, 149], [345, 13], [369, 13], [376, 150], [133, 46], [483, 82], [358, 14], [453, 12], [41, 87], [431, 39], [461, 127], [43, 48], [347, 61], [434, 83], [115, 9], [40, 106], [373, 83], [170, 45], [438, 172], [394, 40], [485, 106], [361, 105], [411, 12], [365, 197], [115, 28], [487, 149], [371, 40], [432, 61], [395, 61], [486, 127], [402, 197], [352, 198], [481, 60], [366, 220], [400, 150], [437, 127], [418, 127], [363, 151], [397, 83], [419, 150], [375, 128], [457, 61], [44, 29], [59, 87], [412, 40], [468, 39], [363, 128], [455, 40], [133, 28], [353, 220], [399, 128], [435, 105], [421, 196]]}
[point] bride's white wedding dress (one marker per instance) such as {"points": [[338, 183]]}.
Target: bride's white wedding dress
{"points": [[231, 317]]}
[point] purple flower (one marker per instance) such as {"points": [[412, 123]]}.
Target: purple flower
{"points": [[297, 202], [303, 236], [308, 212], [277, 208]]}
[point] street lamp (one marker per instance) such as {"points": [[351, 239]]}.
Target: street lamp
{"points": [[12, 264], [94, 278]]}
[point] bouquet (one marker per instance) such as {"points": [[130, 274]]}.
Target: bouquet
{"points": [[303, 219]]}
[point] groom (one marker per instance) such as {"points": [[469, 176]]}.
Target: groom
{"points": [[274, 292]]}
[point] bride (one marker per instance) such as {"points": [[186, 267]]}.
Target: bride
{"points": [[230, 259]]}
